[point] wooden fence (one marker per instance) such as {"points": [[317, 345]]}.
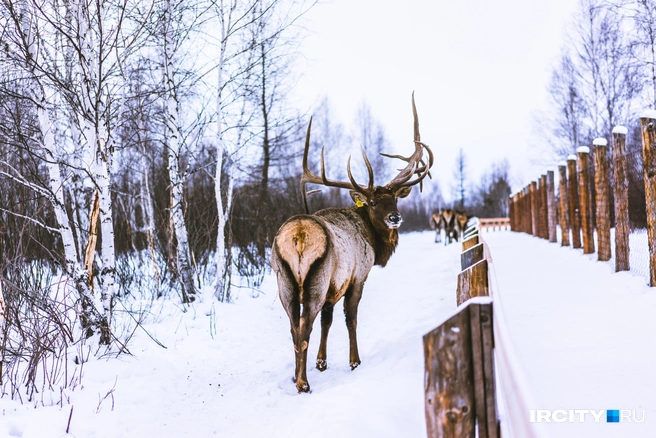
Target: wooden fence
{"points": [[461, 395], [493, 224], [587, 195]]}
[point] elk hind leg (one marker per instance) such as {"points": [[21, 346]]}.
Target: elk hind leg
{"points": [[326, 322], [351, 301]]}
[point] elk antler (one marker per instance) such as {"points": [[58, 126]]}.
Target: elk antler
{"points": [[416, 164], [309, 177]]}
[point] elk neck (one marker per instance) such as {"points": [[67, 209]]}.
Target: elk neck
{"points": [[382, 239]]}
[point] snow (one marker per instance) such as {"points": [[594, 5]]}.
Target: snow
{"points": [[571, 157], [581, 334], [562, 163], [238, 383], [583, 150], [648, 114], [619, 129], [600, 142]]}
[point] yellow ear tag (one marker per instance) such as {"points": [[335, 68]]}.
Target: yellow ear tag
{"points": [[359, 203]]}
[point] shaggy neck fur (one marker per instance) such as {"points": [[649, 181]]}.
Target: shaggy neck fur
{"points": [[383, 239]]}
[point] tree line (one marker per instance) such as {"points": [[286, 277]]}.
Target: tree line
{"points": [[605, 73]]}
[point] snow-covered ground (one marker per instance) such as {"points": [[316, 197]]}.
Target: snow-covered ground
{"points": [[227, 369], [584, 334]]}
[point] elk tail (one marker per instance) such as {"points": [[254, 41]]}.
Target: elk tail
{"points": [[300, 243]]}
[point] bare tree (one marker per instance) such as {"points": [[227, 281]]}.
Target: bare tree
{"points": [[370, 135], [459, 175]]}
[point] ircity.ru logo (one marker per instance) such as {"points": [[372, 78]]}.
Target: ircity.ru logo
{"points": [[583, 415]]}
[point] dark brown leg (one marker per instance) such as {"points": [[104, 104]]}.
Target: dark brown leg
{"points": [[326, 322], [301, 348], [351, 301]]}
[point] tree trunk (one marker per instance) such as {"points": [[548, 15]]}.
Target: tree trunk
{"points": [[173, 137]]}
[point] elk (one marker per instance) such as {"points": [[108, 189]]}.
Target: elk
{"points": [[449, 223], [461, 224], [436, 224], [320, 258]]}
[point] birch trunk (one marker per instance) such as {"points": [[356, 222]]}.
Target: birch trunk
{"points": [[98, 142], [173, 134], [93, 324]]}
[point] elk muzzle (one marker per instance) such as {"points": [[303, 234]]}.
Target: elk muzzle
{"points": [[393, 220]]}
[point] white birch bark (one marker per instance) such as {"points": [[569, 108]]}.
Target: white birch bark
{"points": [[97, 140], [173, 141], [89, 318]]}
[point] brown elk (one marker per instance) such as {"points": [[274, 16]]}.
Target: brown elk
{"points": [[461, 224], [320, 258], [449, 224], [436, 224]]}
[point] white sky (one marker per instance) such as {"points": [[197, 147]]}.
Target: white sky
{"points": [[479, 70]]}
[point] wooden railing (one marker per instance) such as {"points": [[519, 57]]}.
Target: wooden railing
{"points": [[461, 395], [498, 223]]}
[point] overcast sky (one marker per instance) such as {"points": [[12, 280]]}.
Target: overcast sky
{"points": [[479, 70]]}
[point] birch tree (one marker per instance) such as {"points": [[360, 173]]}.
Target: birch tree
{"points": [[179, 20], [26, 53]]}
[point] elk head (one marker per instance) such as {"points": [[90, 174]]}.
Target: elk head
{"points": [[379, 202]]}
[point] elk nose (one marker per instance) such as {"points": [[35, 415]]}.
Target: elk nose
{"points": [[394, 219]]}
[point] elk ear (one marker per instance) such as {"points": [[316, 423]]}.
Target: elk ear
{"points": [[359, 199], [403, 192]]}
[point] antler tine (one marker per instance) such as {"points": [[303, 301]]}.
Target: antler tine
{"points": [[414, 113], [416, 164], [356, 186], [309, 177], [370, 186]]}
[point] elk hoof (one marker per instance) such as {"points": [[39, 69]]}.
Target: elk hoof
{"points": [[321, 365], [354, 365], [303, 387]]}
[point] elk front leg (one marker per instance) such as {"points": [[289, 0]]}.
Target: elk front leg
{"points": [[351, 301], [326, 322]]}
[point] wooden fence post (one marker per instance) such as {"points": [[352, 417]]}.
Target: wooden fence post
{"points": [[473, 282], [584, 200], [574, 213], [511, 212], [563, 203], [648, 128], [534, 207], [482, 338], [529, 210], [621, 196], [551, 207], [602, 191], [543, 213], [449, 386]]}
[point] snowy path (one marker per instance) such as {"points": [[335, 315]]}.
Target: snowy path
{"points": [[239, 383], [584, 334]]}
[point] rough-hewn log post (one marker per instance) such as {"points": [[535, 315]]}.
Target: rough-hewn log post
{"points": [[533, 195], [551, 207], [602, 191], [648, 128], [473, 282], [482, 340], [542, 207], [511, 212], [621, 196], [574, 213], [584, 200], [528, 211], [563, 203], [449, 385]]}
